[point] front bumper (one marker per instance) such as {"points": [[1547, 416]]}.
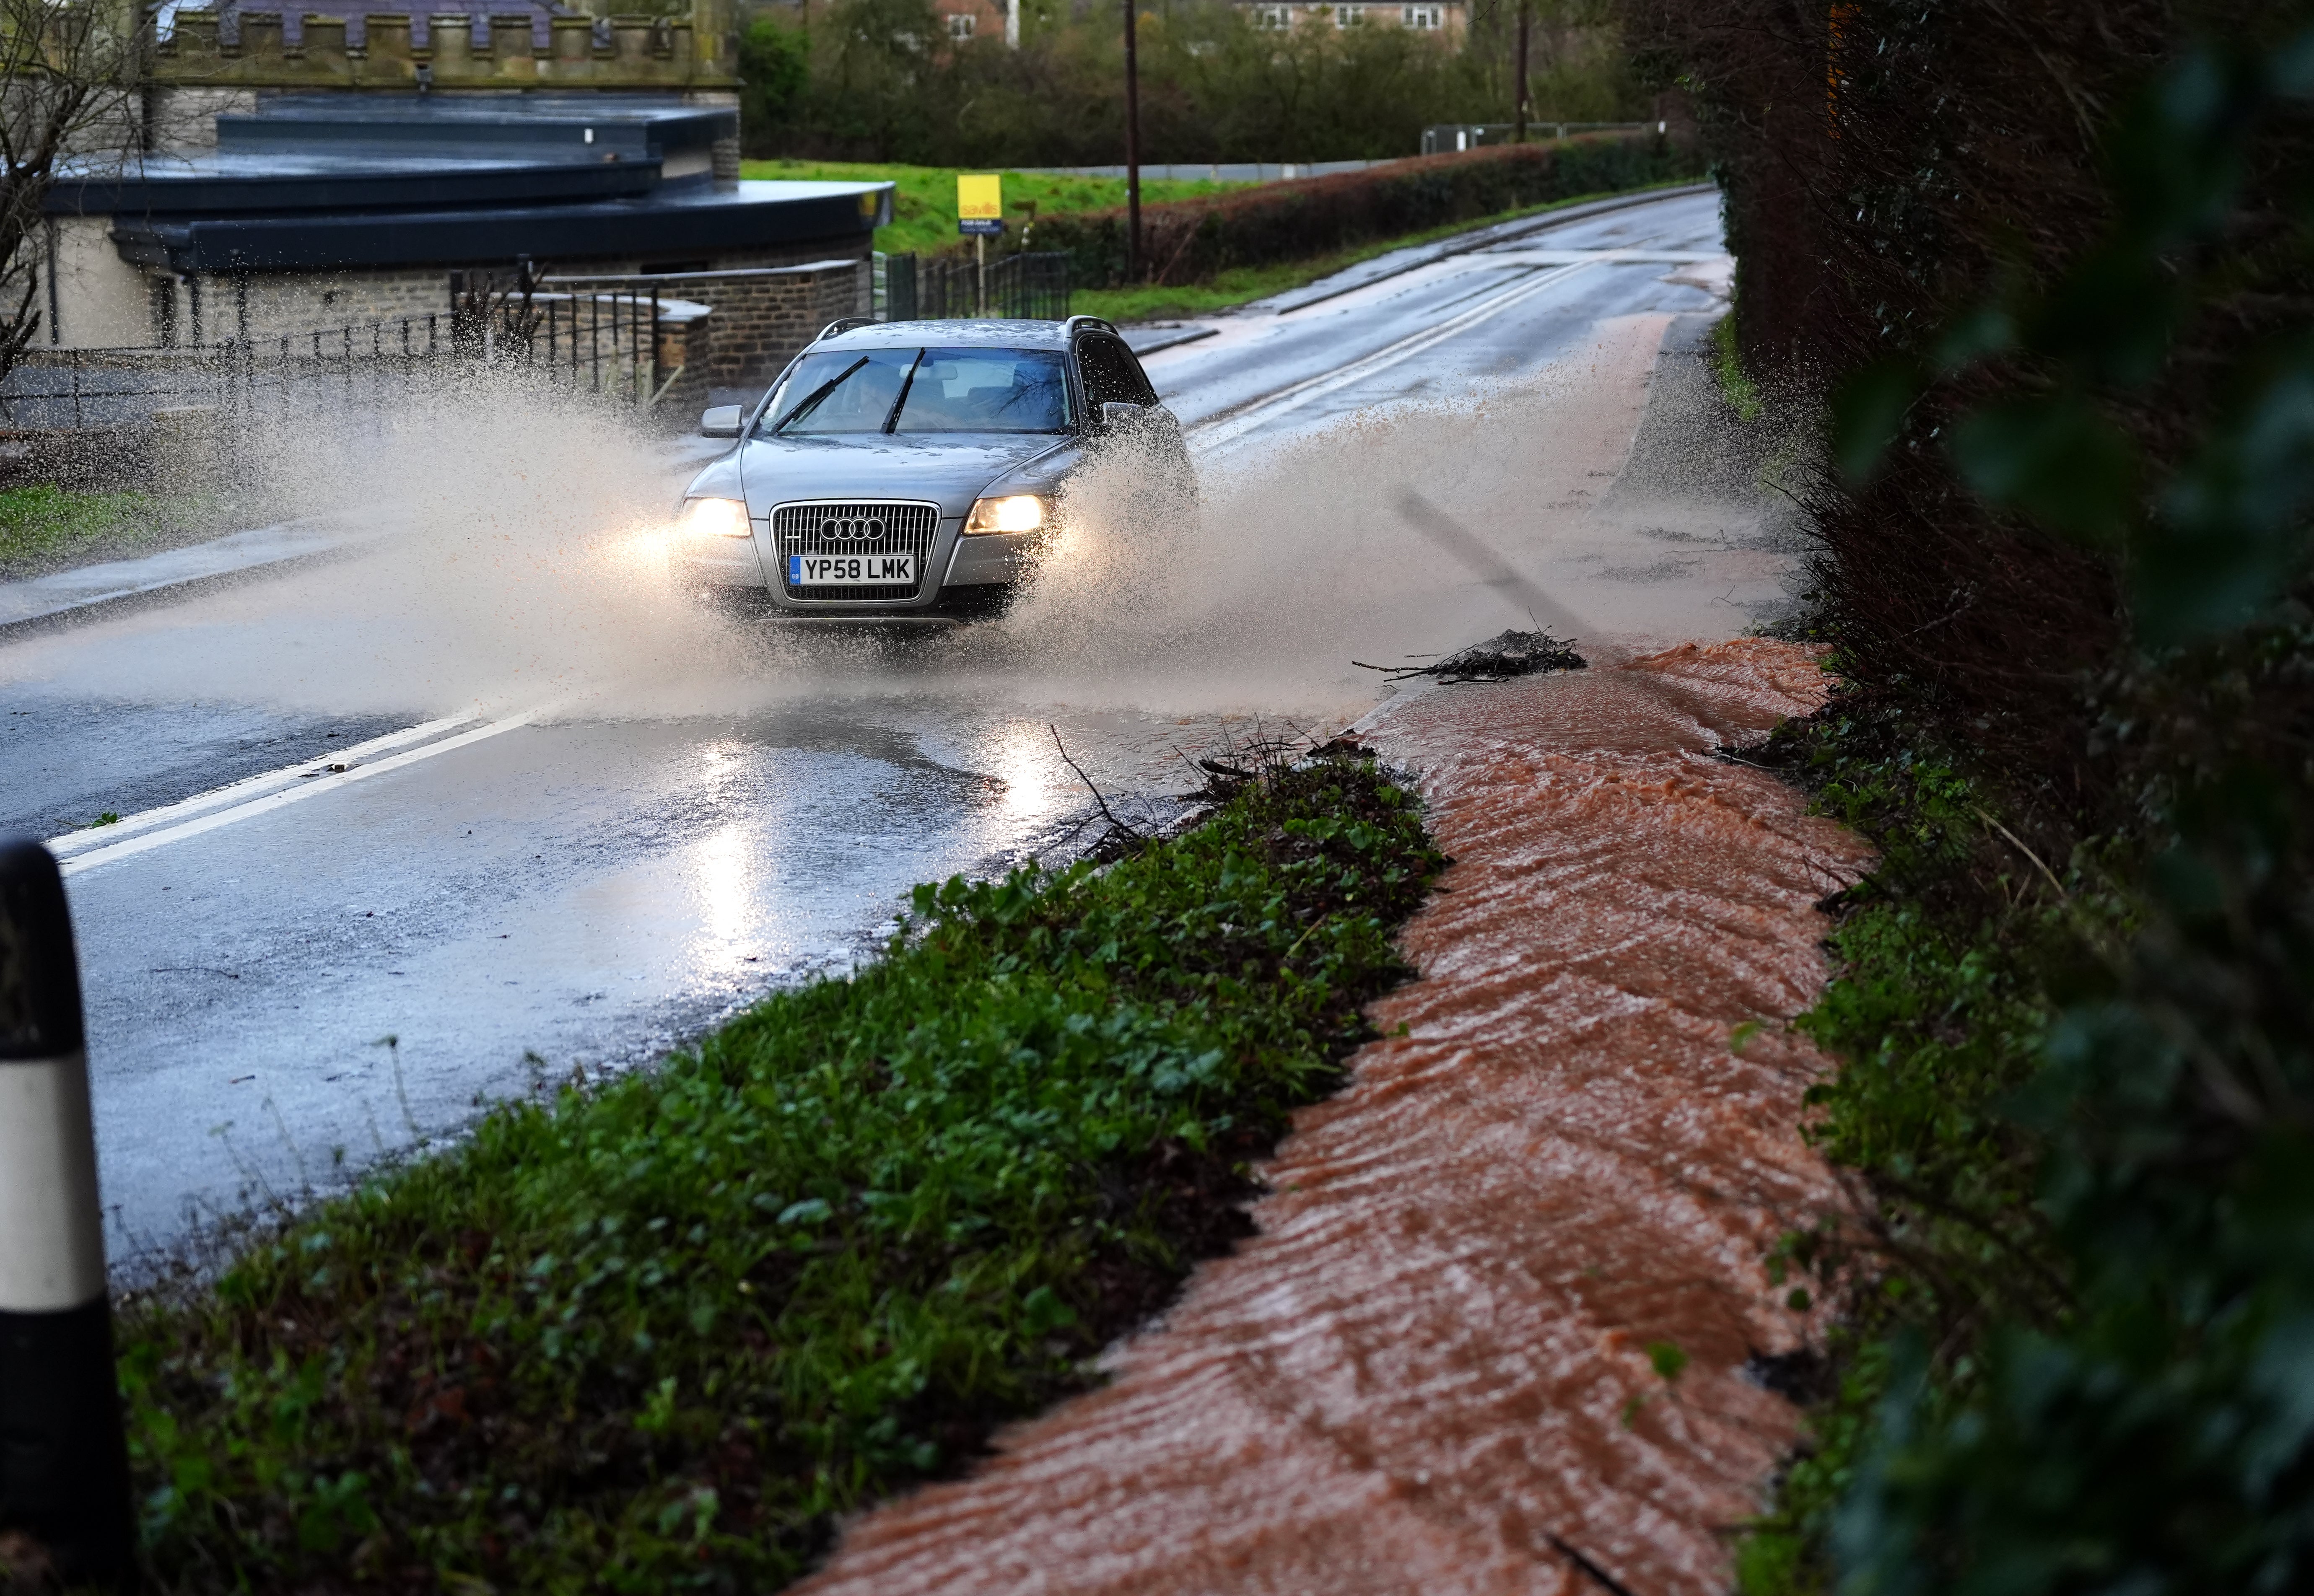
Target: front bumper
{"points": [[985, 560]]}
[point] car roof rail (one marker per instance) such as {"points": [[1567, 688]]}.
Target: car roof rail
{"points": [[844, 324], [1069, 326]]}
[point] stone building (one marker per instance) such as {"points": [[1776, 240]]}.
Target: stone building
{"points": [[326, 169], [311, 212]]}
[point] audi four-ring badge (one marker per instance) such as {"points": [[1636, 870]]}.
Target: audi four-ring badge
{"points": [[914, 468]]}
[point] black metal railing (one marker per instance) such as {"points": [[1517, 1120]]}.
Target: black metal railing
{"points": [[601, 333], [1030, 286], [599, 343]]}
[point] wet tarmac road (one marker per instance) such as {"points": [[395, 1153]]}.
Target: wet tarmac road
{"points": [[639, 817]]}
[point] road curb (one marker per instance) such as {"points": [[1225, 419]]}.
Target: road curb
{"points": [[92, 592], [1171, 337]]}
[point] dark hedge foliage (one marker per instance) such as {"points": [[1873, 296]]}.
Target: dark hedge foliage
{"points": [[2068, 511], [1193, 240], [1886, 166]]}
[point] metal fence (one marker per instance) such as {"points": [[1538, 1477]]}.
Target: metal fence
{"points": [[1030, 286], [1217, 171], [1444, 138], [603, 338], [600, 343]]}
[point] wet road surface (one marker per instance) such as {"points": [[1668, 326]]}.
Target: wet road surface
{"points": [[638, 815]]}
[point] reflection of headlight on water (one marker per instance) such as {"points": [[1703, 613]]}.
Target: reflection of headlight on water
{"points": [[714, 518], [1015, 512]]}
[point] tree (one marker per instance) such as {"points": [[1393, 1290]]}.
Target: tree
{"points": [[775, 68], [67, 75]]}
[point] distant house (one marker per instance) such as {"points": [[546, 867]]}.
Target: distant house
{"points": [[1450, 19], [980, 19]]}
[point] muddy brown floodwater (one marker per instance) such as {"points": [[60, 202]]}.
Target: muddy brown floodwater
{"points": [[1430, 1371]]}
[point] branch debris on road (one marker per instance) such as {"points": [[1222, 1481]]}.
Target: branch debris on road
{"points": [[1498, 659]]}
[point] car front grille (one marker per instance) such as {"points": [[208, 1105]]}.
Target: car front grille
{"points": [[867, 526]]}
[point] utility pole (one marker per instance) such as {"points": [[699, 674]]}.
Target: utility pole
{"points": [[1518, 74], [1132, 151]]}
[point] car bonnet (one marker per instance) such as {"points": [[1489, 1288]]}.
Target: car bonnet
{"points": [[950, 469]]}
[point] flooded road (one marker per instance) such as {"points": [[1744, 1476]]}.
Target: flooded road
{"points": [[616, 817], [1442, 1364]]}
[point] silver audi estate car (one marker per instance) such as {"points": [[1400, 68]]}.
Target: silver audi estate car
{"points": [[913, 468]]}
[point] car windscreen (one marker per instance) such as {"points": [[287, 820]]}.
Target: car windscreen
{"points": [[852, 391], [922, 391], [985, 391]]}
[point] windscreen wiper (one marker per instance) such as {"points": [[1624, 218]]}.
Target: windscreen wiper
{"points": [[892, 422], [812, 401]]}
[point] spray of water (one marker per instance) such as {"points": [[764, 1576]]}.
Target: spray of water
{"points": [[515, 555]]}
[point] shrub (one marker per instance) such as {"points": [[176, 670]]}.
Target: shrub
{"points": [[774, 66], [1191, 241]]}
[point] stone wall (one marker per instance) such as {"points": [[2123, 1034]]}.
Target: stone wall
{"points": [[268, 306], [183, 117], [103, 301], [761, 318]]}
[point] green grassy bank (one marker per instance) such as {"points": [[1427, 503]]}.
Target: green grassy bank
{"points": [[923, 201], [1949, 960], [41, 523], [655, 1333]]}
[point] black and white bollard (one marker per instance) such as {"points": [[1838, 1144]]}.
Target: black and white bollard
{"points": [[64, 1464]]}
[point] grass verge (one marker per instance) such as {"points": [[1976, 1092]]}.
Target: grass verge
{"points": [[41, 523], [1949, 960], [923, 201], [655, 1333]]}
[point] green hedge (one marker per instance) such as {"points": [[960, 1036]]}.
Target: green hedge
{"points": [[1191, 241], [656, 1334]]}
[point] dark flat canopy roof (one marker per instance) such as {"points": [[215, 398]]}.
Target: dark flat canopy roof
{"points": [[693, 219], [634, 125], [317, 183], [338, 179]]}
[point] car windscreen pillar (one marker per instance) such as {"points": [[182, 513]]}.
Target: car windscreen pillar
{"points": [[64, 1465]]}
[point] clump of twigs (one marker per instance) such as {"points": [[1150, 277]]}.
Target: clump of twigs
{"points": [[1498, 659], [1256, 762], [1120, 841]]}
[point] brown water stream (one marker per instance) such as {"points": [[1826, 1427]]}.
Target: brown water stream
{"points": [[1429, 1372]]}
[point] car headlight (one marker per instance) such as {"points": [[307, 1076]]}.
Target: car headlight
{"points": [[1015, 512], [715, 518]]}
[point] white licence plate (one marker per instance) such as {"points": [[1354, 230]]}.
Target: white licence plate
{"points": [[851, 570]]}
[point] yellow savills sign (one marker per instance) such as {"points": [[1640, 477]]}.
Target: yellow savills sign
{"points": [[979, 196]]}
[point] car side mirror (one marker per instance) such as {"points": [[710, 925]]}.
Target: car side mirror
{"points": [[1119, 414], [721, 420]]}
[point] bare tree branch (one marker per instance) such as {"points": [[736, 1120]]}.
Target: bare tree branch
{"points": [[67, 73]]}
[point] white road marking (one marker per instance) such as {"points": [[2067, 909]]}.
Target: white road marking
{"points": [[281, 797], [248, 788], [1220, 431]]}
